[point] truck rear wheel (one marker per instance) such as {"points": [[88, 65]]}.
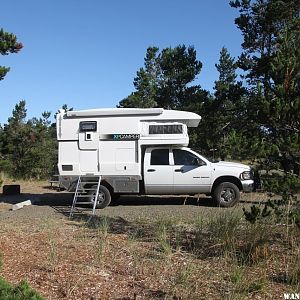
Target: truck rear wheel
{"points": [[226, 194], [104, 197]]}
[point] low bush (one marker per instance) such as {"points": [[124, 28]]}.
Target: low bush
{"points": [[22, 291]]}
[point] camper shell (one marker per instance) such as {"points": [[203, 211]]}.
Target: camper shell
{"points": [[109, 142]]}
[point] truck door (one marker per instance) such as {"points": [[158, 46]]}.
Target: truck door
{"points": [[158, 173], [191, 174]]}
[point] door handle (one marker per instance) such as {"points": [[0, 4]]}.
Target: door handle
{"points": [[178, 170], [151, 170]]}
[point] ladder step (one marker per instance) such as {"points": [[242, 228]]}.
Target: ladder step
{"points": [[89, 176], [79, 190], [84, 191], [89, 182]]}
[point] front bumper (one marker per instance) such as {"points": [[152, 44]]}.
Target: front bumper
{"points": [[248, 186]]}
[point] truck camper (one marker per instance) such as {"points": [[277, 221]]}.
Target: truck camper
{"points": [[104, 153]]}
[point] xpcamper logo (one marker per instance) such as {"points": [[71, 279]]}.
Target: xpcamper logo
{"points": [[288, 296]]}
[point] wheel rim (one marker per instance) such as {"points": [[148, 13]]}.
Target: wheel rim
{"points": [[101, 197], [228, 195]]}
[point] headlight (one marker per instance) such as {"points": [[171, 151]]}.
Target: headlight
{"points": [[246, 175]]}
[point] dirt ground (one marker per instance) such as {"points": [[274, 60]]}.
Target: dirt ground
{"points": [[48, 202], [112, 255]]}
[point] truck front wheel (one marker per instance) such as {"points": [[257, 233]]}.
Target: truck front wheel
{"points": [[226, 194], [104, 196]]}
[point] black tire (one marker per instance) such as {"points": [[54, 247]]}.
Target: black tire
{"points": [[226, 194], [104, 197]]}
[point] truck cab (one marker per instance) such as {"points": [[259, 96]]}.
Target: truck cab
{"points": [[180, 170]]}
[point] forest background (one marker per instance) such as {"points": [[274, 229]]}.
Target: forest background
{"points": [[252, 113]]}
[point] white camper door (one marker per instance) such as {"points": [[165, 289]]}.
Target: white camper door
{"points": [[89, 161], [88, 144]]}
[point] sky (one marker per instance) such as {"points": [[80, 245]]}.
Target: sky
{"points": [[86, 53]]}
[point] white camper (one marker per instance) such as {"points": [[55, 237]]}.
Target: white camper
{"points": [[134, 150]]}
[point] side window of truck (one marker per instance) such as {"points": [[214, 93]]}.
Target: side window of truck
{"points": [[159, 157], [186, 158]]}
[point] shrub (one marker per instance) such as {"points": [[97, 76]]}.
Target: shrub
{"points": [[22, 291]]}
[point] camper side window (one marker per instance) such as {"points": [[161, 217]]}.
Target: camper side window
{"points": [[159, 157], [88, 126], [166, 129]]}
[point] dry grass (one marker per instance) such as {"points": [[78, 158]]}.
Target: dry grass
{"points": [[214, 258], [61, 260]]}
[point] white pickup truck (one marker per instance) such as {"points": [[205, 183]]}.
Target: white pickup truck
{"points": [[180, 170]]}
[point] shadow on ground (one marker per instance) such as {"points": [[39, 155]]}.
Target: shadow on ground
{"points": [[62, 201], [57, 198]]}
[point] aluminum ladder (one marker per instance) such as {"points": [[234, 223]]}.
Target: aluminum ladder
{"points": [[81, 192]]}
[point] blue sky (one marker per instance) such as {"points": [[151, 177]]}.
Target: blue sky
{"points": [[86, 53]]}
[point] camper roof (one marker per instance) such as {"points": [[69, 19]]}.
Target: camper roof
{"points": [[145, 114], [115, 112]]}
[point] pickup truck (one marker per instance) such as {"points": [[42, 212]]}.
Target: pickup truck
{"points": [[180, 170], [171, 170]]}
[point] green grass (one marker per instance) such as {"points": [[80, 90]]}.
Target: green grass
{"points": [[102, 242], [163, 229], [22, 291]]}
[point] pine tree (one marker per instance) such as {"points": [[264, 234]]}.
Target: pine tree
{"points": [[179, 68], [28, 147], [8, 44], [271, 61], [17, 139], [42, 158], [166, 79], [284, 110], [224, 111], [145, 83], [261, 23]]}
